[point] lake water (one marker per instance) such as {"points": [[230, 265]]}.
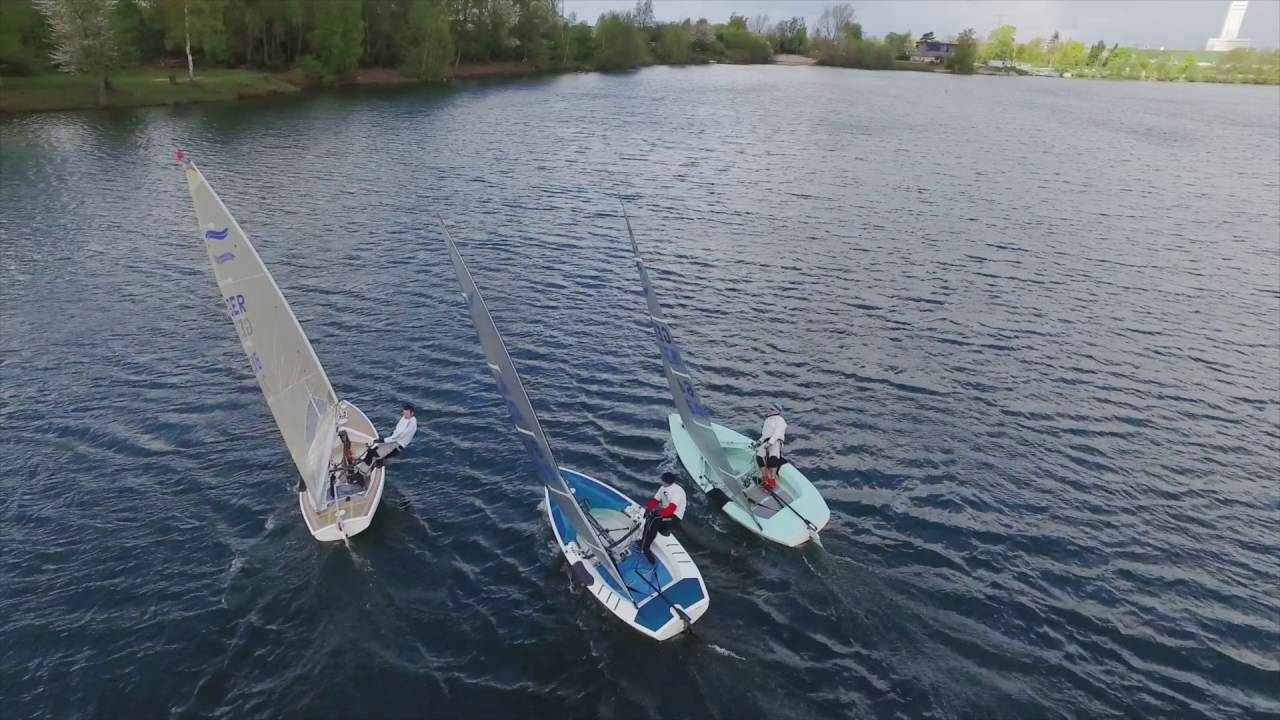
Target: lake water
{"points": [[1026, 332]]}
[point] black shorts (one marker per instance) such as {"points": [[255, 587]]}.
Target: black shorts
{"points": [[771, 462]]}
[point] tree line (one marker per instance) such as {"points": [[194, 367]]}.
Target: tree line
{"points": [[332, 39], [1097, 60], [838, 39], [426, 39]]}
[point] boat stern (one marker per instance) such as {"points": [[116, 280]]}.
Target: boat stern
{"points": [[639, 604]]}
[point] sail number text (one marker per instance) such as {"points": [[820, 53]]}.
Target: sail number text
{"points": [[239, 314], [672, 356]]}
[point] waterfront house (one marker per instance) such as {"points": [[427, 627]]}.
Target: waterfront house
{"points": [[931, 51]]}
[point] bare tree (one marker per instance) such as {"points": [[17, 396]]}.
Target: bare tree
{"points": [[84, 38], [834, 21], [644, 14], [759, 24]]}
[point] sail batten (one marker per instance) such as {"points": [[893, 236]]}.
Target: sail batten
{"points": [[526, 422], [295, 385], [693, 414]]}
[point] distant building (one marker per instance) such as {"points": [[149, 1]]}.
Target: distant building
{"points": [[931, 51], [1229, 38]]}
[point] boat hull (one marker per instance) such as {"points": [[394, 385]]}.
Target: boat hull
{"points": [[352, 514], [771, 520], [675, 573]]}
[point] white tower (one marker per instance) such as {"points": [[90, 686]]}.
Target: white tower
{"points": [[1229, 39]]}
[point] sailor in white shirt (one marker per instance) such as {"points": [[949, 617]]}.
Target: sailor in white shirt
{"points": [[663, 513], [769, 447], [389, 447]]}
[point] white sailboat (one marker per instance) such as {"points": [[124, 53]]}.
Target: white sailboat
{"points": [[323, 434], [597, 527], [721, 461]]}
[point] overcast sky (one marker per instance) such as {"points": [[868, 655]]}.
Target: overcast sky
{"points": [[1174, 24]]}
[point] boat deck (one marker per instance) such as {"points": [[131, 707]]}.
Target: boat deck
{"points": [[764, 504], [355, 501]]}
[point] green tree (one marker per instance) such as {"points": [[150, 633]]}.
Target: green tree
{"points": [[702, 38], [336, 40], [193, 23], [428, 40], [744, 46], [791, 36], [737, 22], [856, 50], [965, 55], [482, 29], [270, 33], [1165, 69], [535, 25], [673, 44], [620, 45], [1071, 54], [1123, 63], [1031, 52], [386, 36], [83, 34], [1003, 43], [899, 44], [24, 37], [1096, 51], [1190, 69], [582, 45]]}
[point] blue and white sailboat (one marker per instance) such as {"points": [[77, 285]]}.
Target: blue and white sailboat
{"points": [[597, 527]]}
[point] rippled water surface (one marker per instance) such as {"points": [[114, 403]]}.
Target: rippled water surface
{"points": [[1026, 332]]}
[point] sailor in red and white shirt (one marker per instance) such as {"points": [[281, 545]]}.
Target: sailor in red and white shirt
{"points": [[663, 513]]}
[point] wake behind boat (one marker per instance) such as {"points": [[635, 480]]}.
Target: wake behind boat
{"points": [[597, 527], [721, 461], [337, 495]]}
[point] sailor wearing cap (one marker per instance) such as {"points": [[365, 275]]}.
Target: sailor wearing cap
{"points": [[769, 447]]}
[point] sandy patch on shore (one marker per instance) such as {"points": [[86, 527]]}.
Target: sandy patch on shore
{"points": [[785, 59]]}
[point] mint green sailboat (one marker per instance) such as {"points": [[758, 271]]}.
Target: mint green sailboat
{"points": [[721, 461]]}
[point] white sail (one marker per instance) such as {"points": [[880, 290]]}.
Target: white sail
{"points": [[526, 422], [694, 415], [296, 387]]}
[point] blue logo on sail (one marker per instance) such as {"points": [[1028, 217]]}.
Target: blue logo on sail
{"points": [[217, 234], [224, 257]]}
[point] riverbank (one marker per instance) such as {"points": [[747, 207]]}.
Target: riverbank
{"points": [[59, 91], [786, 59], [136, 88]]}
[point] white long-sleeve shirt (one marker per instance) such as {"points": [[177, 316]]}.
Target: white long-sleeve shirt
{"points": [[671, 495], [404, 432], [773, 433]]}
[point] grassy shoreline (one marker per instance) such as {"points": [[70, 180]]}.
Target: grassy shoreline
{"points": [[49, 92], [53, 91], [134, 88]]}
